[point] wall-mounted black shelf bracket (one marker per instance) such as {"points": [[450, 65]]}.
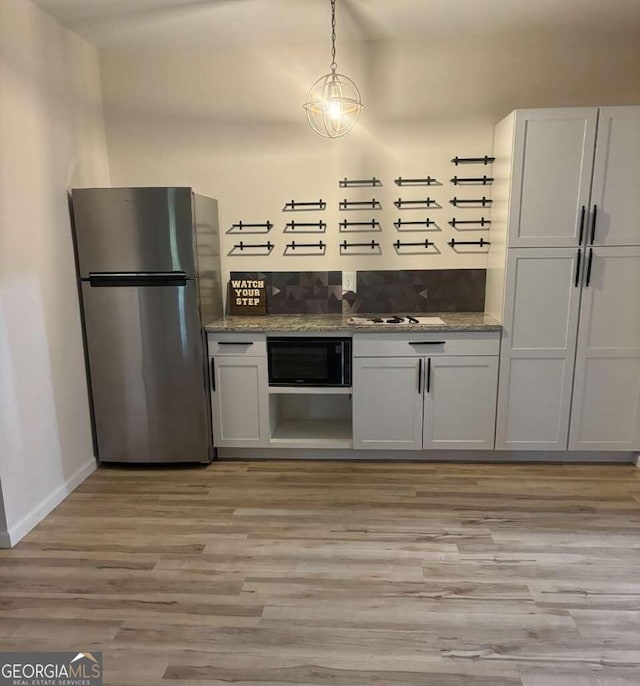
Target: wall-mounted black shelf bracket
{"points": [[480, 223], [372, 204], [423, 222], [428, 181], [242, 227], [263, 248], [426, 243], [346, 226], [471, 202], [472, 180], [473, 160], [423, 203], [481, 243], [306, 248], [305, 227], [371, 244], [295, 206], [359, 183]]}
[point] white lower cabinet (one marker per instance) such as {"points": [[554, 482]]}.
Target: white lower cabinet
{"points": [[460, 403], [387, 403], [423, 402], [570, 361], [240, 401], [605, 413], [542, 307]]}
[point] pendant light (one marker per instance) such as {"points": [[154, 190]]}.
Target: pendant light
{"points": [[333, 103]]}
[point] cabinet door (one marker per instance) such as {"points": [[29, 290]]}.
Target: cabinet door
{"points": [[387, 403], [616, 178], [551, 182], [240, 402], [538, 349], [606, 400], [460, 403]]}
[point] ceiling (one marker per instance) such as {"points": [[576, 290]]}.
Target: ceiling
{"points": [[122, 23]]}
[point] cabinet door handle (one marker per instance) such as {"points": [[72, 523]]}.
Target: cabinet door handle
{"points": [[593, 225], [428, 375], [235, 342], [582, 214], [589, 266], [579, 259], [213, 375], [419, 376]]}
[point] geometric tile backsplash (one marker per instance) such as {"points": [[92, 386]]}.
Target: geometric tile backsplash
{"points": [[377, 292], [418, 290]]}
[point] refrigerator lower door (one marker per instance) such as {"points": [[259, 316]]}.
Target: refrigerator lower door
{"points": [[147, 371]]}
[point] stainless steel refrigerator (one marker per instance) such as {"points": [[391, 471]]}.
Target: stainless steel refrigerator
{"points": [[149, 269]]}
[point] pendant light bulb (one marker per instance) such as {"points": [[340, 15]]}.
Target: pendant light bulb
{"points": [[333, 104]]}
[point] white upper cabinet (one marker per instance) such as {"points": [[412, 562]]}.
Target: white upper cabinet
{"points": [[551, 176], [606, 400], [615, 197]]}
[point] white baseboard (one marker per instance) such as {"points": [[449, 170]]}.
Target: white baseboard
{"points": [[504, 456], [5, 541], [41, 510]]}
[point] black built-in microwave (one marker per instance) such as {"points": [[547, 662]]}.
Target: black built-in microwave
{"points": [[309, 361]]}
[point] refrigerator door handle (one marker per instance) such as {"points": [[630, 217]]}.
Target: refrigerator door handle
{"points": [[102, 279]]}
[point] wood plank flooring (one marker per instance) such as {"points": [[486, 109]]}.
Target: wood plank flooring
{"points": [[310, 573]]}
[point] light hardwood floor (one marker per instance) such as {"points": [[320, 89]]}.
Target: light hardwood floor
{"points": [[350, 574]]}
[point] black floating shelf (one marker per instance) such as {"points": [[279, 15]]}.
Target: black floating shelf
{"points": [[472, 180], [470, 222], [359, 183], [415, 204], [428, 181], [371, 244], [346, 226], [242, 227], [471, 202], [426, 243], [306, 248], [239, 248], [473, 160], [305, 227], [372, 204], [481, 243], [423, 222], [295, 206]]}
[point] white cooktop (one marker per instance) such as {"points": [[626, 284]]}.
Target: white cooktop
{"points": [[391, 320]]}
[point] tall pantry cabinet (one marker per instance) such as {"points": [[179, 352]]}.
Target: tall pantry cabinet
{"points": [[564, 278]]}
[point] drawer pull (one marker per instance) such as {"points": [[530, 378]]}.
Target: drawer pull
{"points": [[427, 342], [235, 342]]}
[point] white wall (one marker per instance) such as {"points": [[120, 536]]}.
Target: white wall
{"points": [[230, 123], [51, 138]]}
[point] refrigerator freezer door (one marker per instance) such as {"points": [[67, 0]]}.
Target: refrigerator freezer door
{"points": [[146, 358], [134, 230]]}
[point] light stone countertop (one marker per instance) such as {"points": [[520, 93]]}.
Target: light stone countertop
{"points": [[283, 323]]}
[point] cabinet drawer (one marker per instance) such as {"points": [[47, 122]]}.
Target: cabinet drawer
{"points": [[237, 344], [431, 344]]}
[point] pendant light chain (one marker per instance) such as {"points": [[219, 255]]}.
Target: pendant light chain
{"points": [[333, 66]]}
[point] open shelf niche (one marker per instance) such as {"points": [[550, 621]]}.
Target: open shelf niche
{"points": [[317, 418]]}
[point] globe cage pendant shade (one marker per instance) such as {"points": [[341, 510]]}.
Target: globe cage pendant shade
{"points": [[333, 104]]}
